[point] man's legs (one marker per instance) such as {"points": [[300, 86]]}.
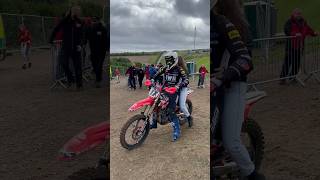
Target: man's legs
{"points": [[64, 60], [202, 80], [76, 59], [140, 81], [199, 81], [94, 61], [99, 68], [134, 83], [286, 65], [296, 62]]}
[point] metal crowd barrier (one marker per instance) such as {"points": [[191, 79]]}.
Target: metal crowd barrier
{"points": [[205, 81], [283, 58], [312, 58], [58, 75]]}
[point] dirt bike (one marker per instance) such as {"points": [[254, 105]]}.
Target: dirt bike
{"points": [[83, 142], [154, 106], [222, 166]]}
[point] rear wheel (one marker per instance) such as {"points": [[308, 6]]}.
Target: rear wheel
{"points": [[253, 139], [189, 106], [134, 132]]}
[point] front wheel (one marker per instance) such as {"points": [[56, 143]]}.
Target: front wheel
{"points": [[134, 132], [254, 141]]}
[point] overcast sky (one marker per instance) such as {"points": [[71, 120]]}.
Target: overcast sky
{"points": [[153, 25]]}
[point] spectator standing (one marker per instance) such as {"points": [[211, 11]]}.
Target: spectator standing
{"points": [[97, 37], [117, 74], [147, 72], [202, 70], [140, 73], [24, 37], [73, 40], [152, 71], [131, 73], [295, 26]]}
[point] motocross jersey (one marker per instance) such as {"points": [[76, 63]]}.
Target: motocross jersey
{"points": [[176, 76], [228, 50]]}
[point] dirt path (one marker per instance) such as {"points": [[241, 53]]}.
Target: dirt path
{"points": [[158, 157], [35, 122], [290, 118]]}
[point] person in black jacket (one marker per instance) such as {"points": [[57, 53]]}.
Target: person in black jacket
{"points": [[140, 73], [73, 38], [230, 65], [98, 40], [174, 76]]}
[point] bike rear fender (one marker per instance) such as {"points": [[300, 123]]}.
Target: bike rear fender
{"points": [[251, 99], [145, 102]]}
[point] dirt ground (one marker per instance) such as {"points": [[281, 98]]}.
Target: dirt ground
{"points": [[290, 120], [158, 157], [35, 122]]}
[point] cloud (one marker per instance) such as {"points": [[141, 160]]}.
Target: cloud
{"points": [[154, 25]]}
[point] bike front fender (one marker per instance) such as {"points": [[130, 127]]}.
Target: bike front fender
{"points": [[145, 102]]}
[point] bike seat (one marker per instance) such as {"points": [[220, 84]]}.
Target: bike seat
{"points": [[255, 96]]}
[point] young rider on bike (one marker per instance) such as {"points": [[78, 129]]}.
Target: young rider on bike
{"points": [[231, 62], [184, 93], [174, 76]]}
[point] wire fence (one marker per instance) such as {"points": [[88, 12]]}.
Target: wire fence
{"points": [[285, 58], [40, 28]]}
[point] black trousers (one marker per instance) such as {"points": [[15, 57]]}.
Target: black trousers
{"points": [[201, 80], [291, 65], [75, 56], [140, 81], [132, 81], [97, 60]]}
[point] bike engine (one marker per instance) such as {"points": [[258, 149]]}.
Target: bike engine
{"points": [[163, 117]]}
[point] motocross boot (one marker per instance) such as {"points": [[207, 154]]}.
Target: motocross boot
{"points": [[153, 124], [190, 121], [176, 129], [256, 176]]}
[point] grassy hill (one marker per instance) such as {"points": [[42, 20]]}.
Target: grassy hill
{"points": [[310, 10]]}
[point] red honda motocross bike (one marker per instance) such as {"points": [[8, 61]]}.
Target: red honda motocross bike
{"points": [[222, 165], [135, 131], [86, 140]]}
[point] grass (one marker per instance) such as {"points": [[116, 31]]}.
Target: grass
{"points": [[310, 10], [204, 60]]}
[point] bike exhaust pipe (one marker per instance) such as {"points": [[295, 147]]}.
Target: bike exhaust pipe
{"points": [[227, 168]]}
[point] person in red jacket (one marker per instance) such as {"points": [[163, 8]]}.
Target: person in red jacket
{"points": [[202, 70], [24, 38], [295, 26], [147, 72], [117, 74]]}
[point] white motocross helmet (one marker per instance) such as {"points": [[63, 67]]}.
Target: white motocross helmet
{"points": [[171, 59]]}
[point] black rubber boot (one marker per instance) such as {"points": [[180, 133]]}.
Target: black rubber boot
{"points": [[256, 176], [190, 121]]}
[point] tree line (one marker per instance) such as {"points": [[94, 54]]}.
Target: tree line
{"points": [[49, 7]]}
